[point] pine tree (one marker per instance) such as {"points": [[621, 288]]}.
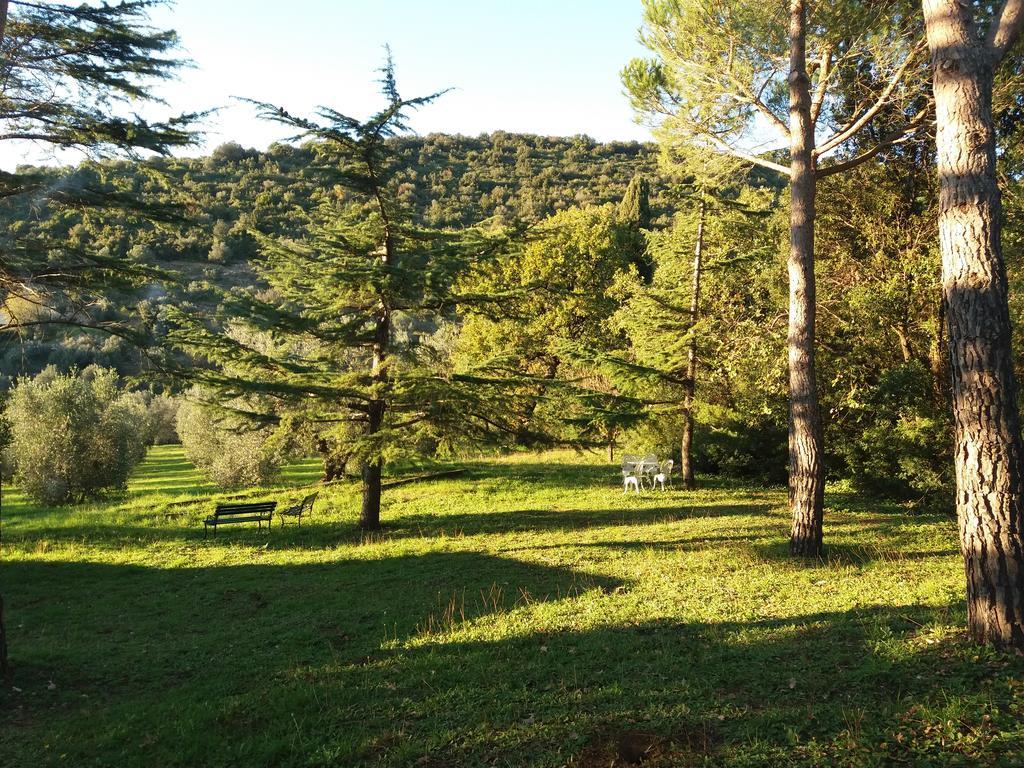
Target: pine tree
{"points": [[989, 455], [840, 75], [635, 214], [352, 336]]}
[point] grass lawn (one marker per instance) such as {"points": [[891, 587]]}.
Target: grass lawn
{"points": [[527, 613]]}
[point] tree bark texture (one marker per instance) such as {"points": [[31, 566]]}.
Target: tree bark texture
{"points": [[369, 516], [686, 447], [987, 449], [806, 452]]}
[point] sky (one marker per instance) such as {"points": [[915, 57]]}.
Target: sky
{"points": [[535, 66]]}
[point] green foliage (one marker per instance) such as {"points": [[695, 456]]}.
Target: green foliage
{"points": [[903, 448], [230, 452], [161, 416], [556, 319], [73, 435], [73, 77], [752, 447], [236, 195], [161, 419], [738, 371]]}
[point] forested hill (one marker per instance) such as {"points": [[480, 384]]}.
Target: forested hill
{"points": [[448, 181]]}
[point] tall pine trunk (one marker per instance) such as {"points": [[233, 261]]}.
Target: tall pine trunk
{"points": [[372, 468], [806, 461], [686, 448], [988, 451]]}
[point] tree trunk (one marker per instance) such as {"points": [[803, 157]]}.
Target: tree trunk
{"points": [[685, 457], [369, 515], [987, 447], [806, 465], [611, 449]]}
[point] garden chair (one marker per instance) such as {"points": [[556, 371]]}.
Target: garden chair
{"points": [[304, 507], [629, 474], [664, 473]]}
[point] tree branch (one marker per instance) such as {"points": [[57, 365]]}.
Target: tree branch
{"points": [[894, 138], [1006, 28], [824, 73], [754, 159], [857, 125]]}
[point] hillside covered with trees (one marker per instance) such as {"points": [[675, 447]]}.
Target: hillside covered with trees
{"points": [[222, 201]]}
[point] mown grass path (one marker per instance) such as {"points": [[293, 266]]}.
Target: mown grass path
{"points": [[527, 613]]}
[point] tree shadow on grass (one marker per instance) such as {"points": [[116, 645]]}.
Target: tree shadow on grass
{"points": [[838, 553], [324, 529], [845, 688], [550, 520], [443, 659], [104, 631]]}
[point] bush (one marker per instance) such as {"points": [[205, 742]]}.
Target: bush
{"points": [[902, 448], [231, 454], [74, 435], [752, 448]]}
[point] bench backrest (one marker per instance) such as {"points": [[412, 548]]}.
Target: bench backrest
{"points": [[259, 508], [308, 502]]}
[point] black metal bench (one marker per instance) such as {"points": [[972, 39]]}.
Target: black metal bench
{"points": [[304, 507], [225, 514]]}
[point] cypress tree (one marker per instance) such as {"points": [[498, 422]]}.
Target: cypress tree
{"points": [[349, 338]]}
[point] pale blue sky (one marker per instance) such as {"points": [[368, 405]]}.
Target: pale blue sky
{"points": [[537, 66]]}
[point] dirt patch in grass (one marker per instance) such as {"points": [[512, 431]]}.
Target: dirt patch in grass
{"points": [[687, 745]]}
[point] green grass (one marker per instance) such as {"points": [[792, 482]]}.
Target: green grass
{"points": [[527, 613]]}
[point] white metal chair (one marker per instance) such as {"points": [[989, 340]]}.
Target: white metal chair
{"points": [[629, 475], [664, 473]]}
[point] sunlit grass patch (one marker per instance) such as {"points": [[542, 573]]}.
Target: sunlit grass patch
{"points": [[525, 613]]}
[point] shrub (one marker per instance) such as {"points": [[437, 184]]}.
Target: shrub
{"points": [[160, 416], [231, 453], [753, 447], [902, 446], [74, 435]]}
